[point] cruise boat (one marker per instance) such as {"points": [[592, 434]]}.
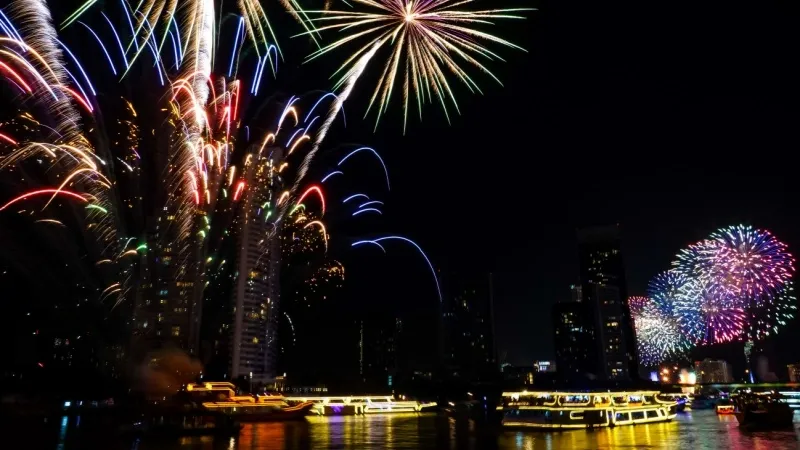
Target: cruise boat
{"points": [[725, 406], [219, 397], [360, 404], [572, 410], [763, 411]]}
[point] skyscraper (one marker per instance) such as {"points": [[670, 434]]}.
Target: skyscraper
{"points": [[467, 326], [167, 307], [576, 356], [713, 371], [256, 290], [604, 290], [378, 346]]}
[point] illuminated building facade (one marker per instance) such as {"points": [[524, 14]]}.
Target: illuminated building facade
{"points": [[467, 326], [713, 371], [604, 291], [574, 338], [256, 290]]}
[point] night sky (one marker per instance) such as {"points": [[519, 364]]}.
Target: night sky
{"points": [[671, 119]]}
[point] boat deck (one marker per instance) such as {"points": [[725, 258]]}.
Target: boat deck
{"points": [[554, 410]]}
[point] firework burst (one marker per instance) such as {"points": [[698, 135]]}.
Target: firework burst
{"points": [[751, 261], [708, 313], [97, 174], [429, 41], [664, 288], [735, 285], [659, 338]]}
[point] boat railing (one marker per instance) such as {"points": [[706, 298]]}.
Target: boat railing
{"points": [[584, 399], [574, 400]]}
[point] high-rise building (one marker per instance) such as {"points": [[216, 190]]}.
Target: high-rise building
{"points": [[574, 337], [467, 328], [168, 299], [256, 290], [167, 306], [713, 371], [378, 351], [576, 291], [604, 291]]}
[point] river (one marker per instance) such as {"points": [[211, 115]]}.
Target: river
{"points": [[699, 430]]}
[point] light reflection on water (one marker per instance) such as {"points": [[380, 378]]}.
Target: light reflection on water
{"points": [[700, 430]]}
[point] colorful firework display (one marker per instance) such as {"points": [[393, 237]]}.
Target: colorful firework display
{"points": [[659, 337], [179, 127], [734, 286]]}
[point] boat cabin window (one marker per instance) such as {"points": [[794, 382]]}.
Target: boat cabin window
{"points": [[541, 400], [652, 414], [601, 400], [575, 400], [637, 415], [623, 417]]}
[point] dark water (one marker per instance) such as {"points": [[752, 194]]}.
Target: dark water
{"points": [[700, 430]]}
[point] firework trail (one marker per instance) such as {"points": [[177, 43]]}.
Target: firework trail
{"points": [[336, 108], [41, 56], [202, 121]]}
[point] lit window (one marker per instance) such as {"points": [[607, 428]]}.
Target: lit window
{"points": [[176, 331]]}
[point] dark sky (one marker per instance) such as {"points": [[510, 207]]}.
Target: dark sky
{"points": [[672, 119]]}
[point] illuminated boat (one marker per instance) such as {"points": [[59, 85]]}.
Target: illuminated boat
{"points": [[219, 397], [260, 409], [572, 410], [763, 411], [222, 396], [360, 404], [725, 406]]}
